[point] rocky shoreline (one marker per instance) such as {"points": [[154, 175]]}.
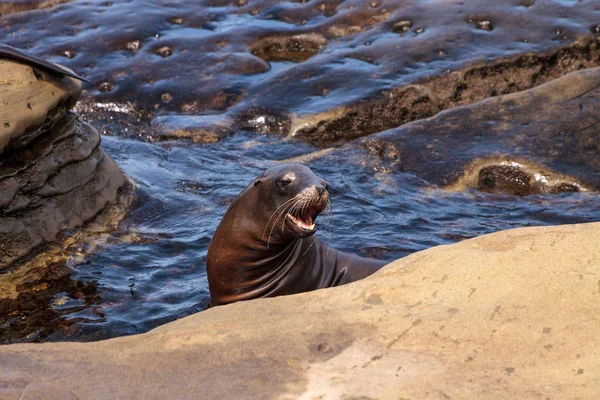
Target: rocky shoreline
{"points": [[471, 97], [284, 67], [510, 314]]}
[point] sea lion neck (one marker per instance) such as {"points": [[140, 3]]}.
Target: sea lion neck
{"points": [[254, 213]]}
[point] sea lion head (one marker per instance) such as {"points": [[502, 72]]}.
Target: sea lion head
{"points": [[293, 197]]}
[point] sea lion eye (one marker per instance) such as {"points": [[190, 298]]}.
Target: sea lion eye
{"points": [[284, 183]]}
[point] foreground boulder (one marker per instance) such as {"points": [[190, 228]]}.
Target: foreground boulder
{"points": [[508, 315], [53, 174]]}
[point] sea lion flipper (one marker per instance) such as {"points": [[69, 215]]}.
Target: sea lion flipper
{"points": [[11, 53]]}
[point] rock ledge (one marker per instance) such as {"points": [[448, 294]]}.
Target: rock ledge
{"points": [[507, 315]]}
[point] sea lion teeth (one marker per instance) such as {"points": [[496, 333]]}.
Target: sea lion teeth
{"points": [[301, 223]]}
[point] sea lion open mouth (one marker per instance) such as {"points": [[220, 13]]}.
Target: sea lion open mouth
{"points": [[304, 218]]}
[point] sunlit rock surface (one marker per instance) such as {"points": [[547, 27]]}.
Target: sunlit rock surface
{"points": [[31, 105], [507, 315], [53, 174], [543, 140], [321, 70]]}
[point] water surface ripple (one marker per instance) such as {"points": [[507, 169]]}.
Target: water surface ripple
{"points": [[153, 271], [244, 67]]}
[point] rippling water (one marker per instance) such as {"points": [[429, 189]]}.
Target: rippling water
{"points": [[154, 269], [329, 67]]}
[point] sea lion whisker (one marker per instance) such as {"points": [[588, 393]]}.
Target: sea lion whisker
{"points": [[275, 212], [292, 209], [284, 211], [305, 204], [289, 210], [311, 245], [329, 209]]}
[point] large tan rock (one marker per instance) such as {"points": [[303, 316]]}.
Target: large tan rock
{"points": [[29, 104], [53, 174], [508, 315]]}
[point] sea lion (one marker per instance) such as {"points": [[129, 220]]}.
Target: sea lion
{"points": [[264, 245], [11, 53]]}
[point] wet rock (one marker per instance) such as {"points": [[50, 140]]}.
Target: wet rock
{"points": [[296, 48], [53, 174], [542, 140], [514, 179], [502, 315], [264, 121], [32, 290], [15, 6], [335, 69], [200, 129]]}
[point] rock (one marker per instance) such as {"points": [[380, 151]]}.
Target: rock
{"points": [[516, 178], [200, 129], [512, 314], [543, 140], [15, 6], [30, 105], [53, 174], [285, 67]]}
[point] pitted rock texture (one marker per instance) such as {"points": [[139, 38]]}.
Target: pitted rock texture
{"points": [[53, 174], [554, 127], [507, 315], [31, 105], [285, 67]]}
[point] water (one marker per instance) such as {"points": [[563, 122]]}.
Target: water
{"points": [[152, 269]]}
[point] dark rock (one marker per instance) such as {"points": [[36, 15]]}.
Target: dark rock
{"points": [[335, 70], [543, 140], [506, 178], [53, 174], [200, 129], [296, 48]]}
